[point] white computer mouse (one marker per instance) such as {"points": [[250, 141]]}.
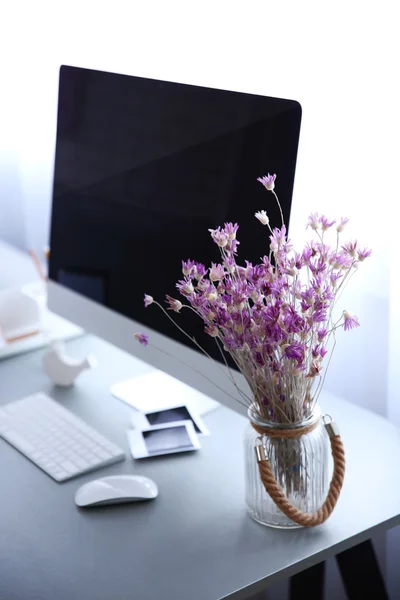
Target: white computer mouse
{"points": [[116, 489]]}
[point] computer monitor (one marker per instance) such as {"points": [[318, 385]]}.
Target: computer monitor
{"points": [[143, 168]]}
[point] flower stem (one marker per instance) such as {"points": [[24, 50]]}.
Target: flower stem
{"points": [[199, 373], [279, 205]]}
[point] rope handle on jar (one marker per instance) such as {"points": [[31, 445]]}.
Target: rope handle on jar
{"points": [[275, 491]]}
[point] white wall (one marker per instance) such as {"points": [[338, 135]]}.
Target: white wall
{"points": [[339, 60]]}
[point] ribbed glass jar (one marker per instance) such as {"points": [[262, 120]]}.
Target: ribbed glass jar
{"points": [[300, 466]]}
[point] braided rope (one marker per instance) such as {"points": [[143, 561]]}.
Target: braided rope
{"points": [[284, 433], [277, 494]]}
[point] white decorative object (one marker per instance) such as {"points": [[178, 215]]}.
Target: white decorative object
{"points": [[62, 368], [19, 315]]}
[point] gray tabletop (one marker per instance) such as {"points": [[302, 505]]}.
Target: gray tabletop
{"points": [[195, 540]]}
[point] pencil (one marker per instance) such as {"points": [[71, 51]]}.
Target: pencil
{"points": [[38, 265]]}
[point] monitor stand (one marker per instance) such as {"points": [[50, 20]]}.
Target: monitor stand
{"points": [[155, 390]]}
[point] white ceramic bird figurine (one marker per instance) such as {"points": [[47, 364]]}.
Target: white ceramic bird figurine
{"points": [[63, 369]]}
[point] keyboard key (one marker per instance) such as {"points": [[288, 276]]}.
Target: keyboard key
{"points": [[81, 463], [19, 442], [102, 454], [69, 467], [58, 473]]}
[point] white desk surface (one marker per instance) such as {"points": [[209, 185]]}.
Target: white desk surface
{"points": [[195, 540]]}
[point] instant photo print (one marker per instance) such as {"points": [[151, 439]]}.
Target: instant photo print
{"points": [[169, 438], [169, 415]]}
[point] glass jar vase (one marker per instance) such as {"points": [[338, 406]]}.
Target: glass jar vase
{"points": [[300, 466]]}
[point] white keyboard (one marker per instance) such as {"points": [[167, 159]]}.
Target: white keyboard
{"points": [[54, 439]]}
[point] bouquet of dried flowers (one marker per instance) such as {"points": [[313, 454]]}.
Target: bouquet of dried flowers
{"points": [[276, 319]]}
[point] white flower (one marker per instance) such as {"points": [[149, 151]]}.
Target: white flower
{"points": [[262, 216], [148, 300], [211, 330], [174, 304], [219, 237], [211, 295]]}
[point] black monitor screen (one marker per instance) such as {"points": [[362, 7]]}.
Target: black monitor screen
{"points": [[144, 168]]}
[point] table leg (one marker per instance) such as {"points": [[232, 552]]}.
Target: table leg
{"points": [[308, 584], [361, 574]]}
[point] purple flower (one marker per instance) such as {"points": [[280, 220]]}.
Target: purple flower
{"points": [[258, 272], [231, 343], [314, 221], [222, 317], [200, 271], [203, 285], [278, 286], [304, 305], [229, 264], [325, 223], [241, 318], [320, 305], [328, 295], [211, 293], [318, 316], [258, 357], [216, 272], [271, 313], [342, 261], [185, 287], [189, 268], [307, 254], [268, 181], [198, 301], [351, 248], [308, 295], [317, 283], [334, 277], [174, 304], [363, 254], [219, 237], [319, 351], [249, 270], [233, 246], [342, 224], [322, 333], [148, 300], [278, 238], [266, 262], [315, 351], [142, 338], [350, 320], [231, 230], [317, 266], [298, 261], [295, 352]]}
